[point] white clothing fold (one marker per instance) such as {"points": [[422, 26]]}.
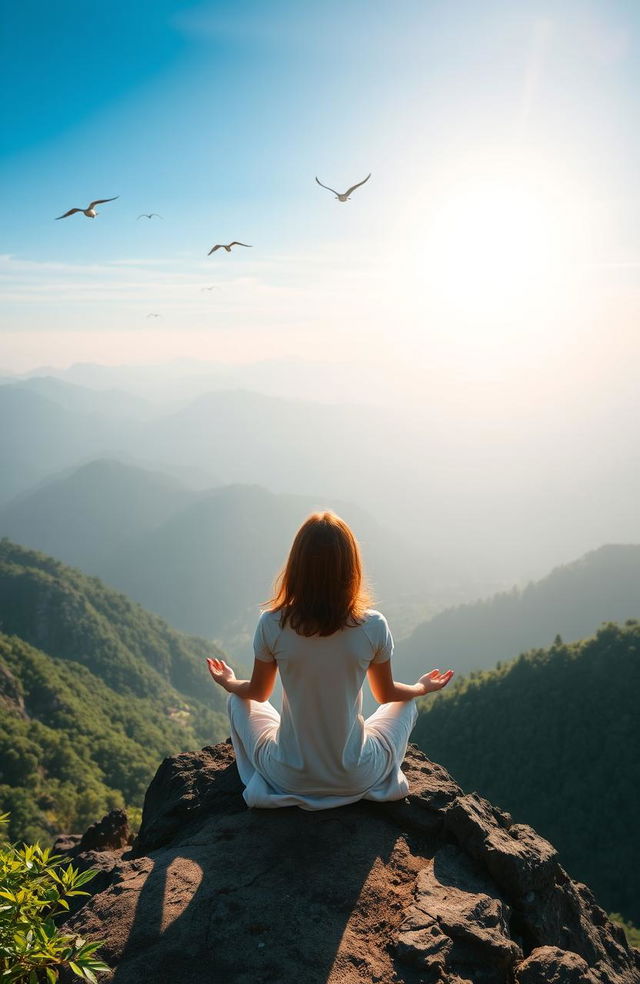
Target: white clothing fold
{"points": [[254, 729]]}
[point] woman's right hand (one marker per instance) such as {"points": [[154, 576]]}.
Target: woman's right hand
{"points": [[435, 680]]}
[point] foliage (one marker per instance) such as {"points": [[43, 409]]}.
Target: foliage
{"points": [[34, 888], [86, 716], [631, 932], [552, 737]]}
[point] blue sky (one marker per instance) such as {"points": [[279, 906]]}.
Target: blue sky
{"points": [[219, 116]]}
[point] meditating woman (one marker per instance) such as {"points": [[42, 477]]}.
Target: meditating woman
{"points": [[319, 632]]}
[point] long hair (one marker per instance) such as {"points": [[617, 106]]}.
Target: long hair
{"points": [[321, 587]]}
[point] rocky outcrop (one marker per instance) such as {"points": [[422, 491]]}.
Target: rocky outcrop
{"points": [[441, 887]]}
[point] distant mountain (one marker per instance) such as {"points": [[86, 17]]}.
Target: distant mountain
{"points": [[40, 436], [553, 737], [356, 453], [572, 601], [493, 498], [93, 692], [114, 402], [84, 515], [209, 567], [292, 379], [204, 560]]}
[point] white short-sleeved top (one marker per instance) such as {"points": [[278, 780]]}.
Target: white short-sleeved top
{"points": [[322, 746]]}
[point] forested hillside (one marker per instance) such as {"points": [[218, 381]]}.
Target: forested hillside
{"points": [[553, 737], [94, 692], [573, 600]]}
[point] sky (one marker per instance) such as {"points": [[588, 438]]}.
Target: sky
{"points": [[494, 249]]}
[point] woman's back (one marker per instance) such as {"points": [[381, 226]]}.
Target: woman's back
{"points": [[322, 744]]}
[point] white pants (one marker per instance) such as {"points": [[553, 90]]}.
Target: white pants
{"points": [[252, 722]]}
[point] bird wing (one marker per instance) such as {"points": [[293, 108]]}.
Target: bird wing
{"points": [[144, 216], [353, 187], [214, 248], [236, 243], [157, 215], [327, 187], [70, 212], [101, 201]]}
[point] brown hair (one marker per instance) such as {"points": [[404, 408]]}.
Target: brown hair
{"points": [[321, 588]]}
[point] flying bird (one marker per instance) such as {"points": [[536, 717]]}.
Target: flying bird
{"points": [[227, 246], [154, 315], [149, 215], [345, 196], [208, 288], [90, 211]]}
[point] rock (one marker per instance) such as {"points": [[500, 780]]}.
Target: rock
{"points": [[516, 856], [110, 833], [101, 847], [550, 965], [458, 922], [66, 843], [440, 887], [180, 790]]}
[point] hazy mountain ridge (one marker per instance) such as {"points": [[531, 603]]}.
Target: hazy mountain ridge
{"points": [[573, 600], [87, 513], [552, 737], [42, 436], [92, 688], [204, 560], [112, 402], [489, 499]]}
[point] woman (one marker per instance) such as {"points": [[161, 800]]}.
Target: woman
{"points": [[321, 635]]}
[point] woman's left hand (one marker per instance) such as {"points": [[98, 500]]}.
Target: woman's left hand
{"points": [[221, 672]]}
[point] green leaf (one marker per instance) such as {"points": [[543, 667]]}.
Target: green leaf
{"points": [[75, 968], [52, 975], [88, 948], [85, 876]]}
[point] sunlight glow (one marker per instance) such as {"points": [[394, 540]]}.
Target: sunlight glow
{"points": [[499, 244]]}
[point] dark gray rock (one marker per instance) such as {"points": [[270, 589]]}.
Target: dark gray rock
{"points": [[440, 887], [458, 922]]}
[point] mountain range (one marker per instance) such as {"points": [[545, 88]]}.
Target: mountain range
{"points": [[571, 601], [496, 500], [204, 560]]}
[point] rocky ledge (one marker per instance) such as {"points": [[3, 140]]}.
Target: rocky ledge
{"points": [[440, 888]]}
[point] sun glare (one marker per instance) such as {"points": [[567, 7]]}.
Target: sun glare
{"points": [[498, 245]]}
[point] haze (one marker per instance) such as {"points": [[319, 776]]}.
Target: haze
{"points": [[454, 350]]}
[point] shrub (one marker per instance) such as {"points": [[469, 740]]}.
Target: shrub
{"points": [[34, 888]]}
